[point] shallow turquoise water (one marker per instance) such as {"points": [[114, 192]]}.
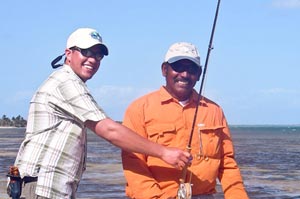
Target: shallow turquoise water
{"points": [[269, 158]]}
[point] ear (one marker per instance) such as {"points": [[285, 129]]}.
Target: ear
{"points": [[199, 74], [164, 69], [68, 54]]}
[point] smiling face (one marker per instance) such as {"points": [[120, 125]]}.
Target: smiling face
{"points": [[84, 67], [181, 77]]}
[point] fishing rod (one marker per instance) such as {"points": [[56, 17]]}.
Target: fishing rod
{"points": [[184, 191], [210, 47]]}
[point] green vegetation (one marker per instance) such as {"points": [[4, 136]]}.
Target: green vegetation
{"points": [[13, 122], [18, 121]]}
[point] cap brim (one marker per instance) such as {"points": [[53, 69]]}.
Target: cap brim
{"points": [[104, 49], [177, 58]]}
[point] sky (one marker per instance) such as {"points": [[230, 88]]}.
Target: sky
{"points": [[252, 73]]}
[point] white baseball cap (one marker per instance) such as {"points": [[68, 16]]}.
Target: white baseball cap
{"points": [[183, 50], [85, 38]]}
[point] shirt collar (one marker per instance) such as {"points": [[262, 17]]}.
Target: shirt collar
{"points": [[68, 69]]}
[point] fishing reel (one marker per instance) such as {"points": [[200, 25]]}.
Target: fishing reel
{"points": [[184, 191]]}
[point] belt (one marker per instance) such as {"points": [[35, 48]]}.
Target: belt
{"points": [[28, 179]]}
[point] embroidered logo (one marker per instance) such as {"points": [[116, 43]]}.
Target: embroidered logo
{"points": [[95, 35]]}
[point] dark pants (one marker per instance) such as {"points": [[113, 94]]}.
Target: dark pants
{"points": [[209, 196]]}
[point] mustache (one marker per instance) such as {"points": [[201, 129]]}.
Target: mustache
{"points": [[182, 79]]}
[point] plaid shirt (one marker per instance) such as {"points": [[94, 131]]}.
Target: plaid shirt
{"points": [[54, 148]]}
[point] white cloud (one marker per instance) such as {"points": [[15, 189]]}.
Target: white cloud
{"points": [[121, 95], [115, 99], [286, 3]]}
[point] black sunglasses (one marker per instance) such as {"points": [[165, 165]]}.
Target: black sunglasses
{"points": [[191, 68], [89, 53]]}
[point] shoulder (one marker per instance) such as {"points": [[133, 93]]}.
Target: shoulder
{"points": [[211, 105], [59, 77], [209, 102], [62, 83]]}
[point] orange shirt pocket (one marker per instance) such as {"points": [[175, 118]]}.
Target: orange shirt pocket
{"points": [[211, 141], [161, 133]]}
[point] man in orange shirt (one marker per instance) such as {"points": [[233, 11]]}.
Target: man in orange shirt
{"points": [[165, 116]]}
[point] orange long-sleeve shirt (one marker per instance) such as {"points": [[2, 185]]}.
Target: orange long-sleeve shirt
{"points": [[160, 118]]}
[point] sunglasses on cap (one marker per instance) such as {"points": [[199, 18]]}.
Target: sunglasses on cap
{"points": [[89, 53], [180, 67]]}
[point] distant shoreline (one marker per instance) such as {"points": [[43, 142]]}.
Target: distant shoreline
{"points": [[11, 127], [230, 125], [263, 125]]}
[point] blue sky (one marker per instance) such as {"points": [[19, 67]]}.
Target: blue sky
{"points": [[253, 71]]}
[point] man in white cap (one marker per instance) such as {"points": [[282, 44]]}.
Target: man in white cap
{"points": [[166, 116], [52, 157]]}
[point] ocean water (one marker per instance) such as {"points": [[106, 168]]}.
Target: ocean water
{"points": [[268, 156]]}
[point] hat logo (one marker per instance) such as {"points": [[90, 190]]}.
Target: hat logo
{"points": [[95, 35]]}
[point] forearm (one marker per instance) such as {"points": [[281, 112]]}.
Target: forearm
{"points": [[232, 184], [128, 140], [124, 138], [230, 175], [231, 179]]}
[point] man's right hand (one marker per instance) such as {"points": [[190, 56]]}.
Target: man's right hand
{"points": [[176, 157]]}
